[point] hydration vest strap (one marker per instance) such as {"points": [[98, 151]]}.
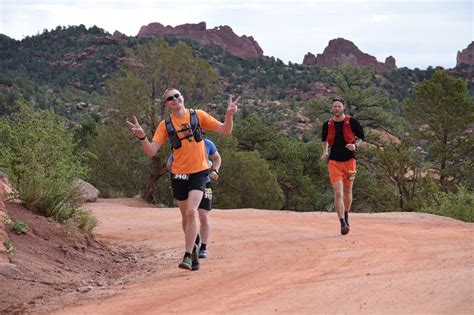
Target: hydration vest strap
{"points": [[195, 126], [346, 131], [172, 134], [195, 129]]}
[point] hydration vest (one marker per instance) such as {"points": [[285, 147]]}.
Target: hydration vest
{"points": [[194, 127], [349, 136]]}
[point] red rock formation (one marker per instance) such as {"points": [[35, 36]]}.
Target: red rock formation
{"points": [[317, 90], [466, 56], [379, 136], [390, 62], [119, 36], [309, 59], [341, 51], [302, 119], [223, 36], [105, 40]]}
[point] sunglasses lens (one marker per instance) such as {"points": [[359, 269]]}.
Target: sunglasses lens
{"points": [[170, 98]]}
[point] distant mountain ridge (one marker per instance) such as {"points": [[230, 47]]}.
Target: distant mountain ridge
{"points": [[223, 36], [338, 51], [67, 69]]}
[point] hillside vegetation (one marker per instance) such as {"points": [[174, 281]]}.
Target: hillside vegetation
{"points": [[418, 123]]}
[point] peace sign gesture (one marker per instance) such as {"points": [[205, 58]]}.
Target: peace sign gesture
{"points": [[136, 128], [232, 105]]}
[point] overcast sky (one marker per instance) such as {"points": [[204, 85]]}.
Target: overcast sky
{"points": [[417, 33]]}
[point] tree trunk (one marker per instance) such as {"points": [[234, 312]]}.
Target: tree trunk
{"points": [[287, 200], [443, 166], [158, 169], [400, 191]]}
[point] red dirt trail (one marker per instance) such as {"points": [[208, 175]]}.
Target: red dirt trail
{"points": [[281, 262]]}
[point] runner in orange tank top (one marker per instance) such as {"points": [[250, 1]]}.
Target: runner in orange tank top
{"points": [[190, 166]]}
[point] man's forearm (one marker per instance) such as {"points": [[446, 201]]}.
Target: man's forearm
{"points": [[325, 147], [150, 148], [216, 163], [227, 126]]}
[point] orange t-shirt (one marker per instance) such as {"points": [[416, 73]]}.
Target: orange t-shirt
{"points": [[191, 157]]}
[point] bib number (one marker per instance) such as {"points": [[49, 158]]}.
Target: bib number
{"points": [[208, 193], [180, 176]]}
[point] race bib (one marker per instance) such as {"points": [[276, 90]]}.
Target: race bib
{"points": [[180, 176], [208, 193]]}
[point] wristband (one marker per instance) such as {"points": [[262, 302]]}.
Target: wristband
{"points": [[144, 137], [217, 172]]}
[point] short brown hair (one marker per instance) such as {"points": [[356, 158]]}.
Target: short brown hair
{"points": [[339, 99]]}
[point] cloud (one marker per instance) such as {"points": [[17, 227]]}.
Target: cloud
{"points": [[240, 6], [380, 18], [43, 7]]}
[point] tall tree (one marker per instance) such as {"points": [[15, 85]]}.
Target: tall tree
{"points": [[443, 111], [371, 107], [400, 166]]}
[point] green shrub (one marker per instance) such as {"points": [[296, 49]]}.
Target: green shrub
{"points": [[245, 181], [9, 246], [458, 205], [87, 222], [38, 154], [19, 227]]}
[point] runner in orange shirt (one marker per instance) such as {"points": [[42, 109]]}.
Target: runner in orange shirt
{"points": [[190, 165], [343, 134]]}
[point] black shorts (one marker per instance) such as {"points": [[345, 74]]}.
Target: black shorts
{"points": [[185, 183], [206, 202]]}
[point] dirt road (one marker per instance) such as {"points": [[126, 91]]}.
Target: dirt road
{"points": [[263, 262]]}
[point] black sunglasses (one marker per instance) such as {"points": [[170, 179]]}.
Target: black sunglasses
{"points": [[170, 98]]}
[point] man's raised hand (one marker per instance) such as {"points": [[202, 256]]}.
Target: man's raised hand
{"points": [[136, 128], [232, 105]]}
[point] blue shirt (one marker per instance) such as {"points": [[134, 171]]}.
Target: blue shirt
{"points": [[210, 148]]}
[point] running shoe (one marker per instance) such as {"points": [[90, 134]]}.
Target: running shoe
{"points": [[195, 260], [186, 263], [344, 230], [202, 253]]}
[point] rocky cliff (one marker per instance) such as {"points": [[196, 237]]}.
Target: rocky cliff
{"points": [[341, 51], [223, 36], [466, 56]]}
